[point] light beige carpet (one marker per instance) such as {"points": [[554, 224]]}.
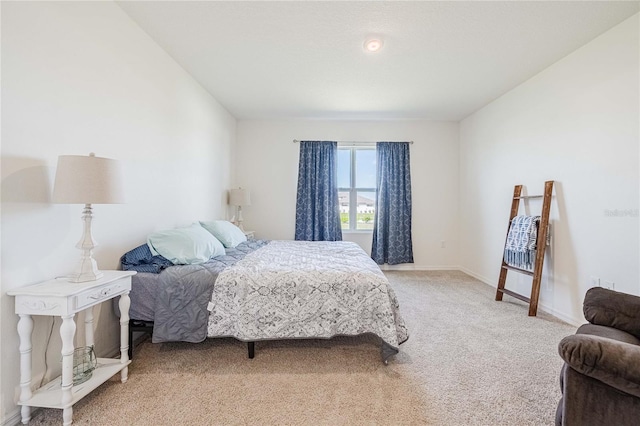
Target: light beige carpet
{"points": [[469, 361]]}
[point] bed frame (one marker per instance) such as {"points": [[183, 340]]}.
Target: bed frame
{"points": [[146, 327]]}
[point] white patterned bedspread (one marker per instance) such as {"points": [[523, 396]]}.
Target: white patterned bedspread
{"points": [[303, 289]]}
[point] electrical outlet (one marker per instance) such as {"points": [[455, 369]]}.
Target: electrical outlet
{"points": [[443, 244], [594, 281], [609, 285]]}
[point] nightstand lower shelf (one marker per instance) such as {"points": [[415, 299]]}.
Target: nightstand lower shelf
{"points": [[48, 396]]}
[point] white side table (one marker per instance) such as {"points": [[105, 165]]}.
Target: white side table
{"points": [[64, 299]]}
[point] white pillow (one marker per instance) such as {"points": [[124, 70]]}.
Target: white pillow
{"points": [[228, 234], [185, 246]]}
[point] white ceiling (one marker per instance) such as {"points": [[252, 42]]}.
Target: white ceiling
{"points": [[440, 61]]}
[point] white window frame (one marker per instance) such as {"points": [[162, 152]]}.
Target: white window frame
{"points": [[352, 189]]}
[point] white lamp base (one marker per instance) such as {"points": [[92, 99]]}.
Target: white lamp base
{"points": [[87, 268], [239, 220]]}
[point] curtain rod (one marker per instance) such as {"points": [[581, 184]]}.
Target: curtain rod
{"points": [[360, 142]]}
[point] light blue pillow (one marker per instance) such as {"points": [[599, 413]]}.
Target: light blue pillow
{"points": [[185, 246], [228, 234]]}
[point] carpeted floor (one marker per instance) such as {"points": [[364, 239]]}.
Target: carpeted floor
{"points": [[469, 361]]}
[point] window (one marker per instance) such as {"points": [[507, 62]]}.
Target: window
{"points": [[357, 187]]}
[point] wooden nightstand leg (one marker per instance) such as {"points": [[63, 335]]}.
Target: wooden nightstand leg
{"points": [[25, 328], [124, 303], [67, 331]]}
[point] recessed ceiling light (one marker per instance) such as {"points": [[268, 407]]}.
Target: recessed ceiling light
{"points": [[373, 44]]}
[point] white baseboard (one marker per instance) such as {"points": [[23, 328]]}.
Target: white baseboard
{"points": [[560, 315], [542, 306], [412, 267], [478, 277], [15, 418]]}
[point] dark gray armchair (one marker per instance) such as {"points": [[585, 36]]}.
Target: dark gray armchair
{"points": [[600, 379]]}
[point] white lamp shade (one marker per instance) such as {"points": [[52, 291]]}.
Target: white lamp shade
{"points": [[87, 180], [239, 197]]}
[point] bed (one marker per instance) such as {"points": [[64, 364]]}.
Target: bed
{"points": [[266, 290]]}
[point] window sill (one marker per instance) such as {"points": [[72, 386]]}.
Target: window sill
{"points": [[357, 231]]}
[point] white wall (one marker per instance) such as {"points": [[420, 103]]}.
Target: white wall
{"points": [[267, 164], [576, 123], [80, 77]]}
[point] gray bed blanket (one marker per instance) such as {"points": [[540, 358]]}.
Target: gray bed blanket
{"points": [[185, 291]]}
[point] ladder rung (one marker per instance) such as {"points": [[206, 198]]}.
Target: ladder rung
{"points": [[522, 271], [524, 197], [514, 294]]}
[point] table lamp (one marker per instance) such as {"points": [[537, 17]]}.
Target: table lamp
{"points": [[239, 197], [87, 180]]}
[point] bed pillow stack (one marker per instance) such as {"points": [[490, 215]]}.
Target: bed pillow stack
{"points": [[185, 246], [225, 231]]}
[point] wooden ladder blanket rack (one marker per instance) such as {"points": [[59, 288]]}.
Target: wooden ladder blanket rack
{"points": [[541, 241]]}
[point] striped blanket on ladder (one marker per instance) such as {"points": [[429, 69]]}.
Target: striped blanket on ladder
{"points": [[520, 249]]}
